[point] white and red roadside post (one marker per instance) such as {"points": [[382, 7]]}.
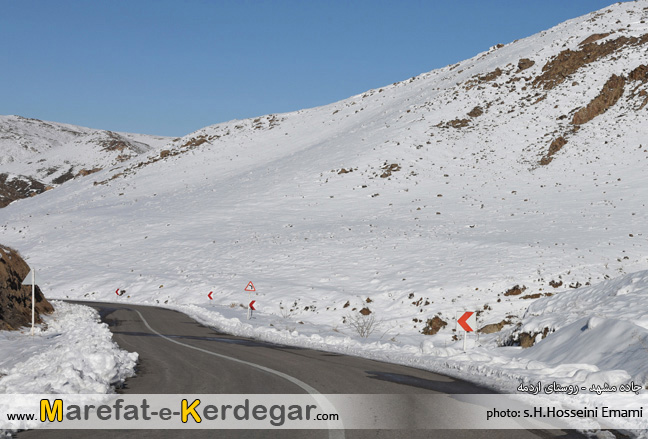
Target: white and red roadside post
{"points": [[468, 322], [249, 288], [32, 282]]}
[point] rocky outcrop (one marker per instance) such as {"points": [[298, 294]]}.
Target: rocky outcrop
{"points": [[492, 75], [494, 327], [433, 326], [567, 62], [556, 145], [592, 38], [611, 93], [526, 340], [14, 188], [84, 172], [525, 63], [640, 74], [15, 298], [476, 112]]}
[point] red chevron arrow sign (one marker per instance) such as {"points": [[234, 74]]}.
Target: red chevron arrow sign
{"points": [[210, 295], [468, 321], [249, 288]]}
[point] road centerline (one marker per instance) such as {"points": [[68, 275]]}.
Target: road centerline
{"points": [[333, 433]]}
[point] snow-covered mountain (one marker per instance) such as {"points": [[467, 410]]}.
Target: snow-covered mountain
{"points": [[482, 186], [38, 155]]}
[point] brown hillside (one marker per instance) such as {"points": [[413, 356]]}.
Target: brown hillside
{"points": [[15, 299]]}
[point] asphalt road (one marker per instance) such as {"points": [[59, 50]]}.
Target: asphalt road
{"points": [[177, 355]]}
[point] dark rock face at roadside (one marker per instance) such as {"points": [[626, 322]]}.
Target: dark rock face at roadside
{"points": [[15, 298]]}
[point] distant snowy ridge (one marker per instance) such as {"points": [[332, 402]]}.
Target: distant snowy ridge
{"points": [[38, 154]]}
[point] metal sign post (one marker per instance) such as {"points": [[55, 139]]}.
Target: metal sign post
{"points": [[33, 299]]}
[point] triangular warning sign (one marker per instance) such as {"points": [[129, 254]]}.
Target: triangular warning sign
{"points": [[250, 287], [29, 279]]}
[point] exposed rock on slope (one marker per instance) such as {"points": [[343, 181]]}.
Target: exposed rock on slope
{"points": [[611, 93], [525, 63], [556, 145], [18, 187], [567, 62], [607, 98], [15, 299]]}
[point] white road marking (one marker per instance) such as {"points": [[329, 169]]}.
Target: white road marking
{"points": [[333, 434]]}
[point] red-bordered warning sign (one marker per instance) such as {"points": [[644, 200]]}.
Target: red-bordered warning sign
{"points": [[250, 287]]}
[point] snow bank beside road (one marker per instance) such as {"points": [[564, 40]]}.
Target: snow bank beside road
{"points": [[71, 353], [605, 325]]}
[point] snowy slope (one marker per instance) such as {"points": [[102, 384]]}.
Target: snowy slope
{"points": [[425, 198], [42, 154]]}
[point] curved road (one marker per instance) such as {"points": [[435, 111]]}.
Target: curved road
{"points": [[177, 355]]}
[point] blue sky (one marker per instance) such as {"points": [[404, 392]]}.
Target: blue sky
{"points": [[171, 67]]}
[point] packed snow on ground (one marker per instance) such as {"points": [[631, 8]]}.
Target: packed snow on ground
{"points": [[375, 202], [71, 352]]}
